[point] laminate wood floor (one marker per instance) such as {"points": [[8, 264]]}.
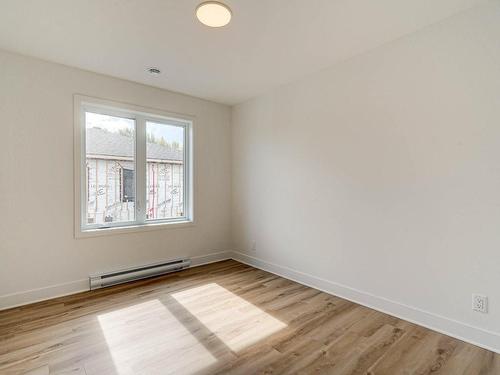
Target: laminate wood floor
{"points": [[218, 319]]}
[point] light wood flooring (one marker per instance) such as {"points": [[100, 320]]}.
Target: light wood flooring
{"points": [[223, 318]]}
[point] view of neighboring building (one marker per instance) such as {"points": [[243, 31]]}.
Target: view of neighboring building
{"points": [[111, 178]]}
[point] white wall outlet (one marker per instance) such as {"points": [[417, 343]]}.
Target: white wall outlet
{"points": [[480, 303], [254, 246]]}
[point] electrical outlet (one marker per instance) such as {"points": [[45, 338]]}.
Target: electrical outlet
{"points": [[480, 303], [254, 246]]}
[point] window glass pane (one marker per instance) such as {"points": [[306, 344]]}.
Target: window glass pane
{"points": [[164, 171], [110, 169]]}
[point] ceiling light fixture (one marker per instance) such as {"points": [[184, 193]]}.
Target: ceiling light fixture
{"points": [[213, 14], [154, 71]]}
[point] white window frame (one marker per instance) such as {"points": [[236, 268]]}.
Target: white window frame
{"points": [[141, 115]]}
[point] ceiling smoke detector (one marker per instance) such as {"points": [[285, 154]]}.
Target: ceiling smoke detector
{"points": [[154, 71], [213, 14]]}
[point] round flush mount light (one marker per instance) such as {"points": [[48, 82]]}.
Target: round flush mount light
{"points": [[154, 71], [213, 14]]}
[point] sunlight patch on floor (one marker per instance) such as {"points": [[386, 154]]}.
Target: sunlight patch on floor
{"points": [[147, 338], [235, 321]]}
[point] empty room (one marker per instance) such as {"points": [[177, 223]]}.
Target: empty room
{"points": [[249, 187]]}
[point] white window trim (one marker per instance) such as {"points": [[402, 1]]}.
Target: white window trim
{"points": [[141, 115]]}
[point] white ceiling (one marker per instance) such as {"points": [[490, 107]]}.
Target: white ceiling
{"points": [[268, 42]]}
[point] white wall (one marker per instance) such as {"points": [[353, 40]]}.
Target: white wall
{"points": [[36, 175], [381, 176]]}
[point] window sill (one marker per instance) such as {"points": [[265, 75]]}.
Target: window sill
{"points": [[133, 229]]}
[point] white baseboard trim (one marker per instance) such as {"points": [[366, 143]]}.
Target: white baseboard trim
{"points": [[462, 331], [41, 294], [59, 290], [210, 258]]}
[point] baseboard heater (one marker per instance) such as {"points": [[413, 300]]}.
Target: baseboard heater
{"points": [[103, 280]]}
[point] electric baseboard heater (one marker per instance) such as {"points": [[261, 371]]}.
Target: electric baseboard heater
{"points": [[103, 280]]}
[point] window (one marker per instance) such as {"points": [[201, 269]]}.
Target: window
{"points": [[165, 170], [134, 166], [128, 193]]}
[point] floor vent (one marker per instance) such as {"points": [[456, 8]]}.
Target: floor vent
{"points": [[122, 276]]}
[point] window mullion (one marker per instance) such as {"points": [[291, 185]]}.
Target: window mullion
{"points": [[140, 167], [187, 173]]}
